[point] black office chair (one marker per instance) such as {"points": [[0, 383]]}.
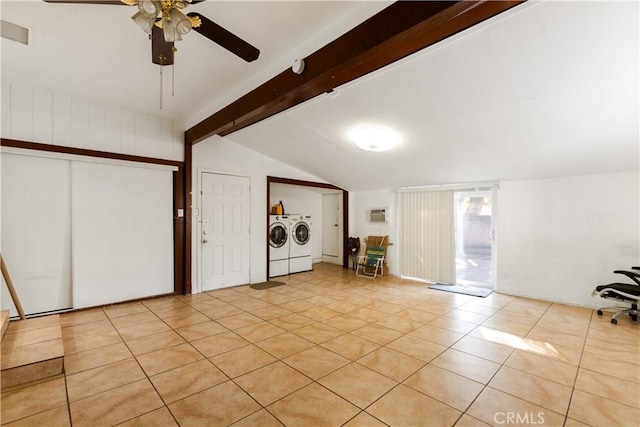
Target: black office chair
{"points": [[626, 292]]}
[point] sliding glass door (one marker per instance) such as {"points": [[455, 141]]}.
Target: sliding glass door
{"points": [[474, 238]]}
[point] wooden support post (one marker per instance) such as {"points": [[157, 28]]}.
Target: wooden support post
{"points": [[12, 290]]}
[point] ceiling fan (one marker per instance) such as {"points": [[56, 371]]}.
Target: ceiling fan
{"points": [[166, 23]]}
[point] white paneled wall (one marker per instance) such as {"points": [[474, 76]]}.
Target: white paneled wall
{"points": [[46, 116]]}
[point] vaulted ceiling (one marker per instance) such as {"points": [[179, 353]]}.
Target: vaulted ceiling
{"points": [[544, 89]]}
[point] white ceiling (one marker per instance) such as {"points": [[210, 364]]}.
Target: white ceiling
{"points": [[98, 51], [546, 89]]}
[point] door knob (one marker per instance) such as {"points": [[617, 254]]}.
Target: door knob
{"points": [[204, 232], [205, 241]]}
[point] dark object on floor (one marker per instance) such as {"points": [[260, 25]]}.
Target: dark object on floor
{"points": [[624, 292], [266, 285], [466, 290], [353, 247]]}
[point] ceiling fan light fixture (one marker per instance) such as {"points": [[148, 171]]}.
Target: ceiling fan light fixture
{"points": [[150, 7], [169, 31], [180, 22], [144, 21]]}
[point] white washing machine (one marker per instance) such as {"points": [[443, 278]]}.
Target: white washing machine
{"points": [[300, 243], [279, 243]]}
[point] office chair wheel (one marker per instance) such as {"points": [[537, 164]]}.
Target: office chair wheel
{"points": [[599, 312], [634, 317], [614, 322]]}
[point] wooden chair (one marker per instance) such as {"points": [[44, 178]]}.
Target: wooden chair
{"points": [[372, 262]]}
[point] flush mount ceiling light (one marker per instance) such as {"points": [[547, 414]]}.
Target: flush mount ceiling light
{"points": [[373, 138]]}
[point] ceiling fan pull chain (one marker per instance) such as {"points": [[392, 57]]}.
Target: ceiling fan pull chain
{"points": [[160, 87], [173, 75]]}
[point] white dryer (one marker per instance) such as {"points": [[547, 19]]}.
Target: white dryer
{"points": [[300, 245], [278, 245]]}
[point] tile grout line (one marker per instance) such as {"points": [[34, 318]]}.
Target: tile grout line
{"points": [[253, 370], [573, 388], [143, 371], [148, 378], [166, 405], [485, 386], [316, 381]]}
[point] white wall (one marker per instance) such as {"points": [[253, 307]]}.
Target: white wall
{"points": [[302, 200], [360, 203], [559, 238], [219, 155], [38, 114]]}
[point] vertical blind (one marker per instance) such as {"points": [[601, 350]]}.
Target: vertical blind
{"points": [[427, 235]]}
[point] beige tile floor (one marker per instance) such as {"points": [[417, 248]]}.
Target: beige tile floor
{"points": [[332, 349]]}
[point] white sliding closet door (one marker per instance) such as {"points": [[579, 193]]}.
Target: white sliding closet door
{"points": [[122, 233], [36, 232]]}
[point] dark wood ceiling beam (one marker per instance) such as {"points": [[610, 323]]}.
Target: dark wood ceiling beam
{"points": [[399, 30]]}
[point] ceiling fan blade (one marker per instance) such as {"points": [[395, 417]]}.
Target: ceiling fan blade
{"points": [[111, 2], [226, 39]]}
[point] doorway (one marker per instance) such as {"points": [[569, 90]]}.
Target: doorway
{"points": [[315, 185], [331, 228], [225, 236], [474, 238]]}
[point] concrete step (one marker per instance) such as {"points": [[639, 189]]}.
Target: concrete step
{"points": [[32, 350]]}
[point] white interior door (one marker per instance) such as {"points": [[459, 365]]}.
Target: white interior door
{"points": [[36, 232], [330, 228], [225, 234]]}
